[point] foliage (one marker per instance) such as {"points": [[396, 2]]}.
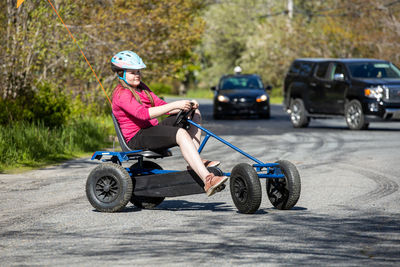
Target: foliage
{"points": [[35, 47], [47, 104], [50, 106], [225, 36], [160, 88], [264, 38], [199, 93], [32, 144], [190, 41]]}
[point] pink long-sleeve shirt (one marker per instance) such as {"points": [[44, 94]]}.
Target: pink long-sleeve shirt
{"points": [[130, 114]]}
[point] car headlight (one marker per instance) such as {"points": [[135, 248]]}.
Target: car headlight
{"points": [[374, 92], [222, 98], [262, 98]]}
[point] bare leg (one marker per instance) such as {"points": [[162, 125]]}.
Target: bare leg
{"points": [[195, 132], [190, 154], [212, 183]]}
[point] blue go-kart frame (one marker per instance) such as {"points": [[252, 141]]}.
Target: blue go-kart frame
{"points": [[110, 185]]}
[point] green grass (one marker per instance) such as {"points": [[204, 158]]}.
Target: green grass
{"points": [[276, 100], [26, 145]]}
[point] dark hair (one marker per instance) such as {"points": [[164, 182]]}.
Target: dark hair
{"points": [[115, 68]]}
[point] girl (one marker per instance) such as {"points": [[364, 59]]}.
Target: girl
{"points": [[136, 109]]}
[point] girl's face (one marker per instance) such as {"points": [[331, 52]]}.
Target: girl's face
{"points": [[133, 77]]}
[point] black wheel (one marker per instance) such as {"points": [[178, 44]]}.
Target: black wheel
{"points": [[354, 115], [217, 116], [109, 187], [298, 115], [245, 188], [284, 193], [266, 115], [146, 202]]}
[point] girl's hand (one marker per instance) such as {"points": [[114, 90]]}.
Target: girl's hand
{"points": [[195, 104], [183, 105]]}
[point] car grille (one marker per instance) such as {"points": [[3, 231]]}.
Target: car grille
{"points": [[393, 94], [243, 100]]}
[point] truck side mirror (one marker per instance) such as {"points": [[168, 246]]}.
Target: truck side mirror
{"points": [[213, 88], [338, 77], [268, 88]]}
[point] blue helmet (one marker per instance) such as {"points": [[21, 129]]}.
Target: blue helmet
{"points": [[126, 60]]}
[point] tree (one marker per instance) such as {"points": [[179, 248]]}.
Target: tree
{"points": [[264, 36], [35, 47], [229, 24]]}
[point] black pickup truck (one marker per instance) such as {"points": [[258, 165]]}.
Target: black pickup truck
{"points": [[361, 90]]}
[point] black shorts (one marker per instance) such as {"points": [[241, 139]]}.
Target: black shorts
{"points": [[159, 137]]}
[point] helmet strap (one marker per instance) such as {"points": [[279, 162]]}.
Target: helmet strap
{"points": [[124, 78], [134, 93]]}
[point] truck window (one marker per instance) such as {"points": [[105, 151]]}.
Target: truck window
{"points": [[305, 68], [322, 69], [295, 68], [336, 69]]}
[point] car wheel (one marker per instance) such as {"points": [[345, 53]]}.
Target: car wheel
{"points": [[298, 115], [142, 201], [354, 115], [216, 116], [109, 187], [284, 193], [245, 188], [266, 115]]}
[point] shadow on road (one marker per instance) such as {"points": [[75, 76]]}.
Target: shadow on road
{"points": [[360, 238]]}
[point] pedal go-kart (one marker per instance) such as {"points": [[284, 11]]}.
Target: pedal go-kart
{"points": [[110, 186]]}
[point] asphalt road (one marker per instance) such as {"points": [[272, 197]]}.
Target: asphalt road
{"points": [[348, 213]]}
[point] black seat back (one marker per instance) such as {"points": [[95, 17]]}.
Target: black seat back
{"points": [[121, 138], [145, 153]]}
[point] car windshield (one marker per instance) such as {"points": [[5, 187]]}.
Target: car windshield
{"points": [[374, 70], [241, 83]]}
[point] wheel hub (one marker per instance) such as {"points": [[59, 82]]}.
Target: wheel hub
{"points": [[107, 189], [240, 189], [354, 115], [276, 189]]}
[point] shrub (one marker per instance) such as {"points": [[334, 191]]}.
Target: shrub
{"points": [[161, 88], [50, 105], [47, 104]]}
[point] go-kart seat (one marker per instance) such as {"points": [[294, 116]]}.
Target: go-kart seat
{"points": [[145, 153]]}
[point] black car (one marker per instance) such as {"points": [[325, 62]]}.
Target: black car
{"points": [[241, 94], [361, 90]]}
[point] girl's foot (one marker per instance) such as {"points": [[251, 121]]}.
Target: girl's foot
{"points": [[213, 183]]}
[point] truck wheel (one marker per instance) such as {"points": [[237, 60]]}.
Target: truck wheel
{"points": [[245, 188], [142, 201], [109, 187], [298, 116], [284, 193], [354, 115]]}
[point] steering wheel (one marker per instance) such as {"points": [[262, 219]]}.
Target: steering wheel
{"points": [[183, 116]]}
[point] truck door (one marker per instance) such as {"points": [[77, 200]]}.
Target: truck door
{"points": [[317, 89], [335, 88]]}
